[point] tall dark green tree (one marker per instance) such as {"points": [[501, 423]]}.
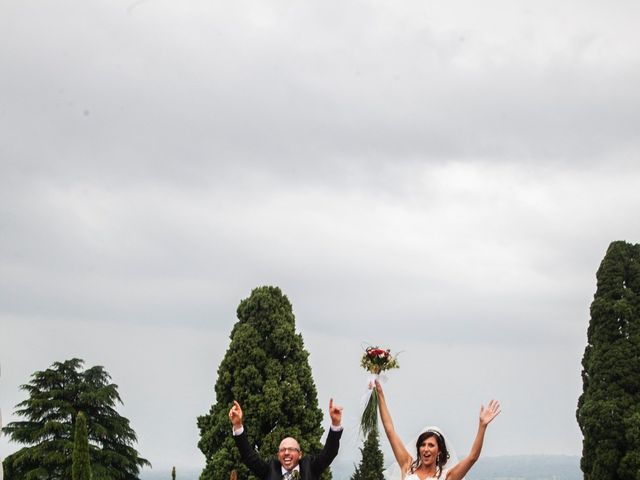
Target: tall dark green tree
{"points": [[266, 369], [80, 461], [56, 395], [609, 408], [372, 462]]}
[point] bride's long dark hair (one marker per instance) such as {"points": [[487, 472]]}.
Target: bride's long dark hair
{"points": [[443, 454]]}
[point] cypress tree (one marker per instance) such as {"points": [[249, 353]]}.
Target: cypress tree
{"points": [[356, 474], [56, 395], [173, 473], [266, 370], [609, 408], [80, 463], [372, 462]]}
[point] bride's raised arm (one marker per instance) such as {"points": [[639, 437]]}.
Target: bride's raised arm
{"points": [[403, 457], [463, 466]]}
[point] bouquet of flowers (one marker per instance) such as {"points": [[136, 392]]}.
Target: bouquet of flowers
{"points": [[375, 361]]}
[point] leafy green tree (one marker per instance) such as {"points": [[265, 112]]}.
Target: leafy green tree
{"points": [[80, 462], [372, 463], [56, 395], [266, 369], [609, 408]]}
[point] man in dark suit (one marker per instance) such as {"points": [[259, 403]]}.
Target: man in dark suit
{"points": [[290, 464]]}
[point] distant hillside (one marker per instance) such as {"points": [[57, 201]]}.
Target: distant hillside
{"points": [[517, 467], [527, 467], [166, 475]]}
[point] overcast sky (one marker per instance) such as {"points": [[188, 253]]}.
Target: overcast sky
{"points": [[440, 178]]}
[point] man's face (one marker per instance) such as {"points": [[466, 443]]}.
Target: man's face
{"points": [[289, 453]]}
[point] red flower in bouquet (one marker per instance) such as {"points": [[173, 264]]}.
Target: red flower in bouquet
{"points": [[376, 360]]}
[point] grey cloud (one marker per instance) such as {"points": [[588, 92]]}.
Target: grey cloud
{"points": [[442, 177]]}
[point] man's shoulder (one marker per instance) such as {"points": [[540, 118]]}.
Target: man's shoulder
{"points": [[240, 437]]}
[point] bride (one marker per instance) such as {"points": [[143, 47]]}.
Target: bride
{"points": [[432, 450]]}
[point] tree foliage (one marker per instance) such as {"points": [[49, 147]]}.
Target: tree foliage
{"points": [[609, 408], [266, 369], [55, 396], [372, 462], [80, 461]]}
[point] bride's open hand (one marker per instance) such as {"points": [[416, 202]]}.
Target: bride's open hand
{"points": [[489, 412]]}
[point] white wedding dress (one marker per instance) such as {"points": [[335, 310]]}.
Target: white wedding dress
{"points": [[443, 476]]}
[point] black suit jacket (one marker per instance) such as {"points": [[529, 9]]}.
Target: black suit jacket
{"points": [[311, 466]]}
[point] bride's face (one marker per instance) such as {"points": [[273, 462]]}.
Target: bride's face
{"points": [[428, 451]]}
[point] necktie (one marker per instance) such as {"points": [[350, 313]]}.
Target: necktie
{"points": [[291, 475]]}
